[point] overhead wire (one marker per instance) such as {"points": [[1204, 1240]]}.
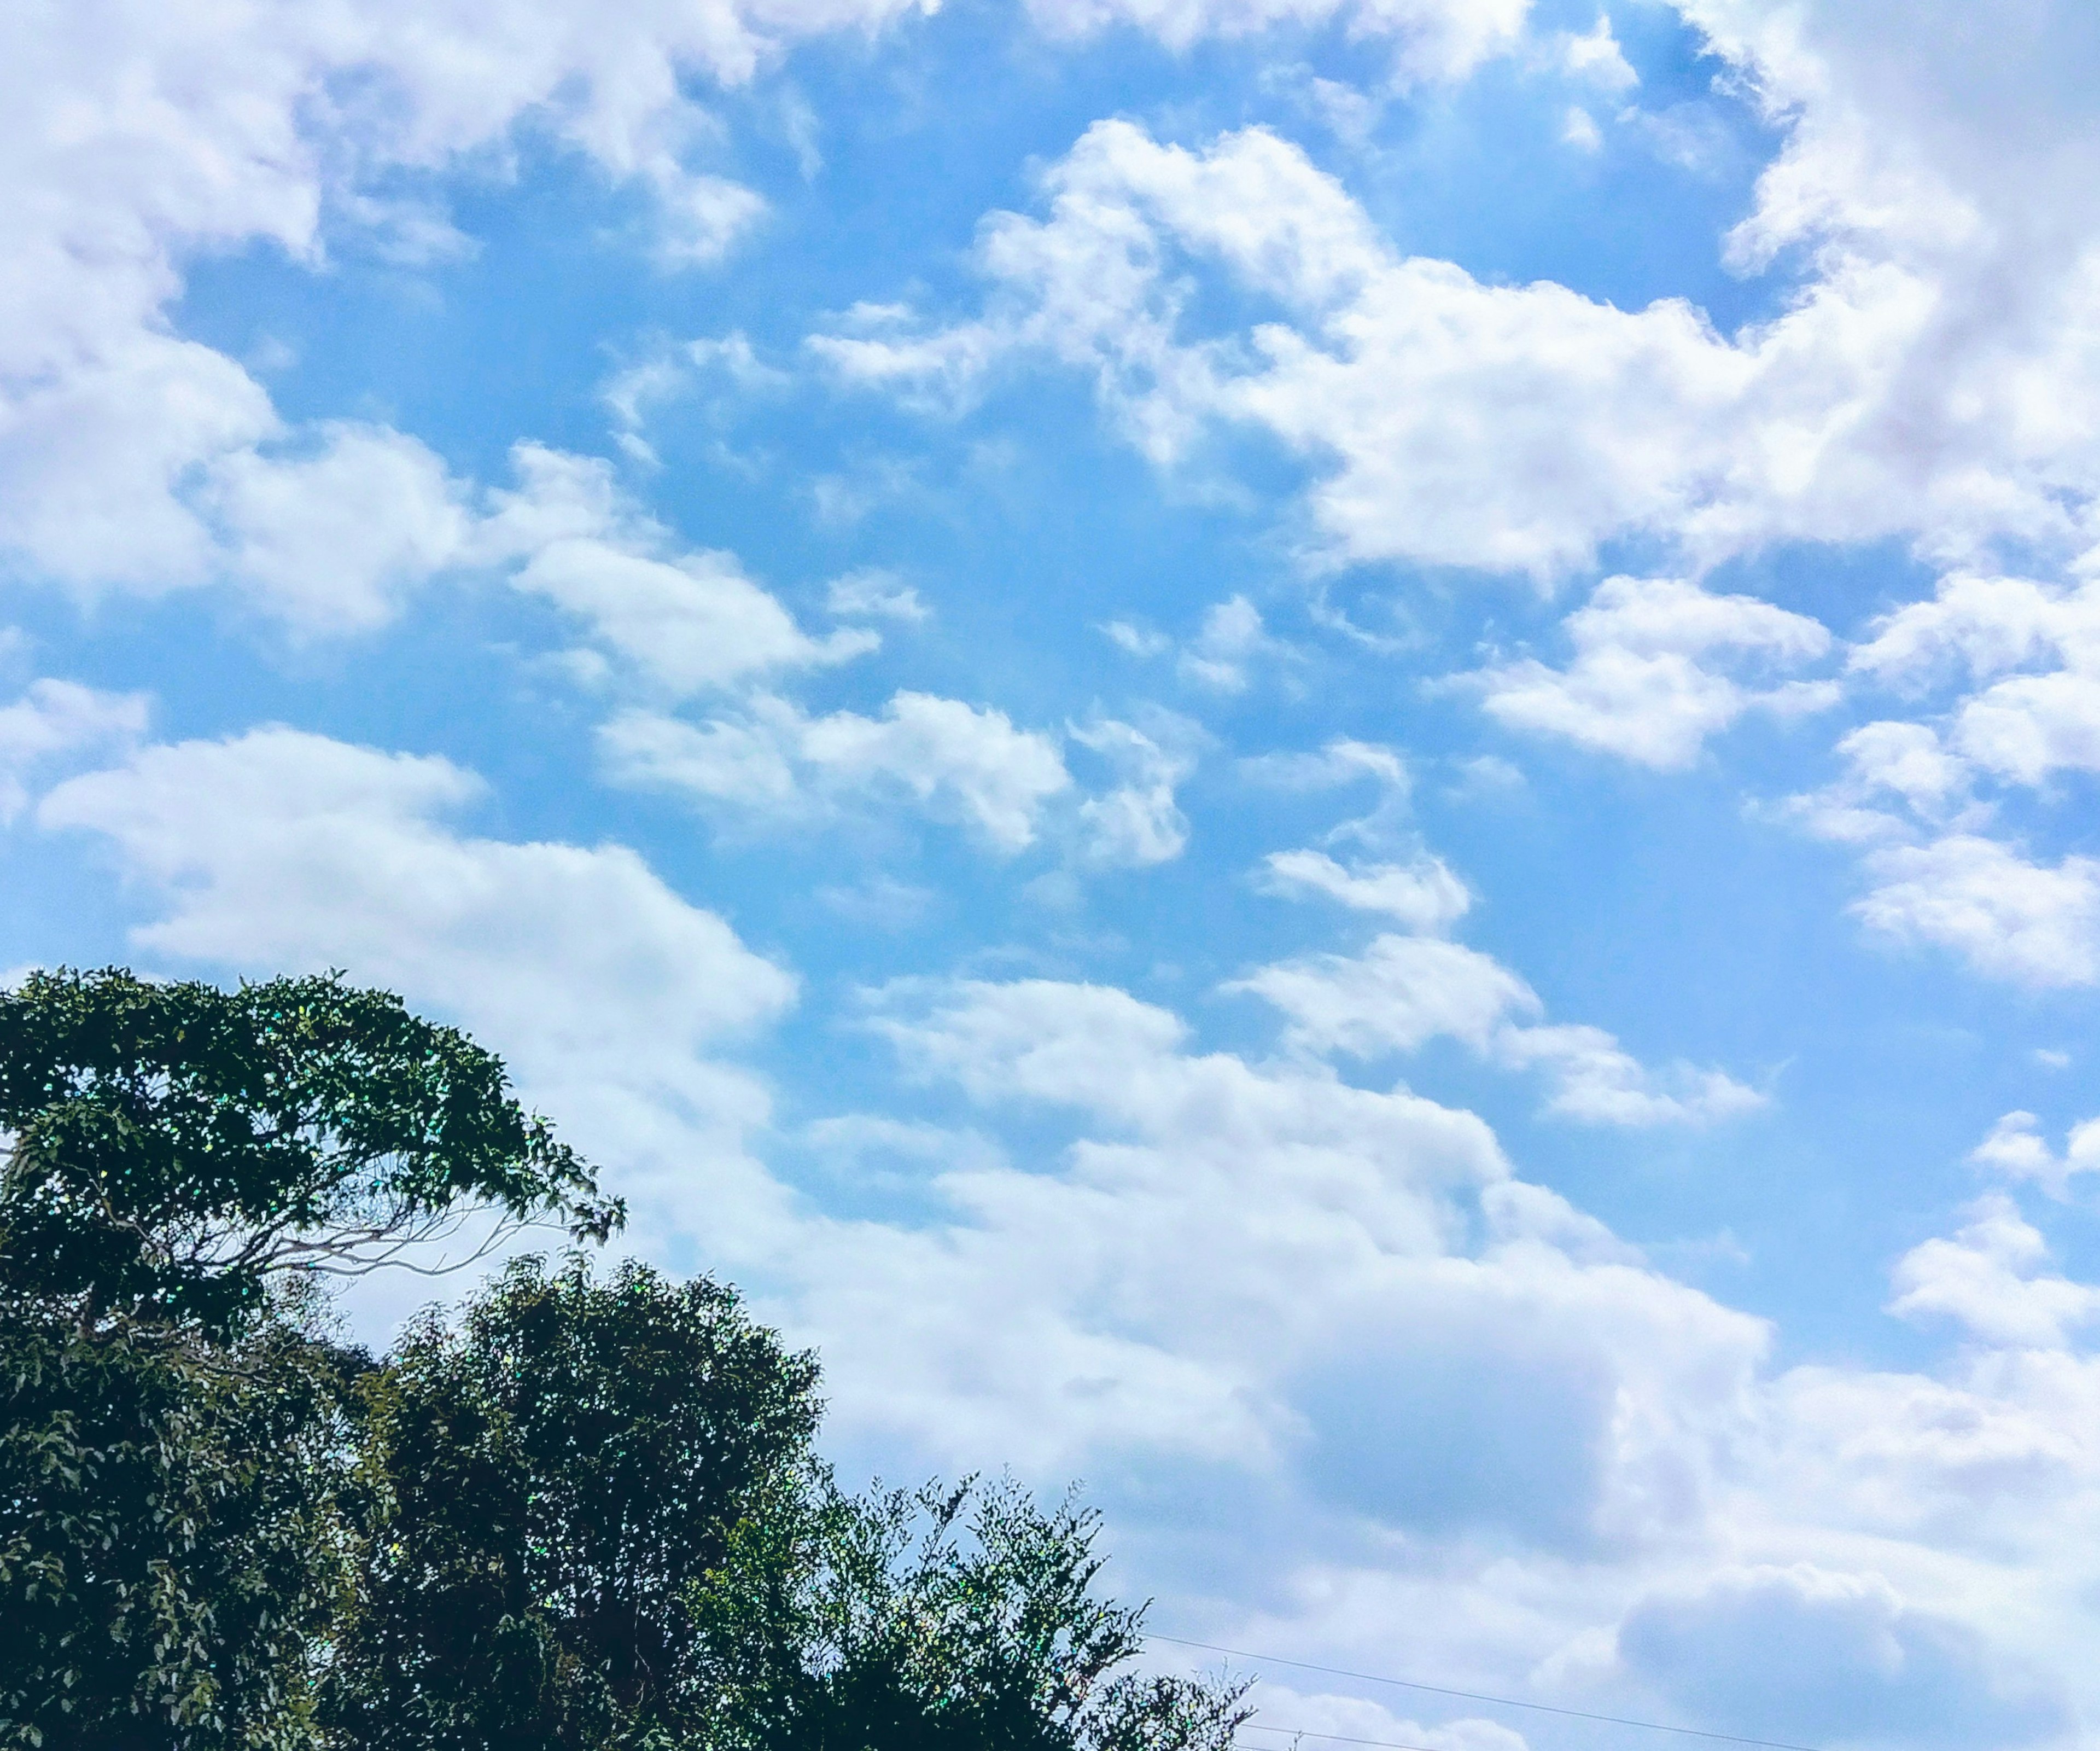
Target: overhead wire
{"points": [[1303, 1732], [1473, 1696]]}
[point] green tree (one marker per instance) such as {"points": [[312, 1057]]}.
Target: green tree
{"points": [[175, 1146], [182, 1165], [543, 1480], [170, 1554], [595, 1520], [963, 1619]]}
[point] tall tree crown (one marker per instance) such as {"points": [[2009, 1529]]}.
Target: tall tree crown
{"points": [[174, 1145]]}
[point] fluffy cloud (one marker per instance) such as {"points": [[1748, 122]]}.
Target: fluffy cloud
{"points": [[771, 762], [1516, 427], [1223, 1234], [2013, 666], [957, 761], [688, 624], [2016, 1148], [2009, 917], [1803, 1652], [132, 457], [1423, 895], [1401, 992], [1988, 1277], [1434, 39], [52, 719], [1649, 681], [280, 849]]}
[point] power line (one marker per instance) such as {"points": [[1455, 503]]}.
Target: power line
{"points": [[1300, 1732], [1474, 1696]]}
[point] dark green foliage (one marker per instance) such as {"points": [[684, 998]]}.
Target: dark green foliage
{"points": [[170, 1550], [543, 1483], [175, 1144], [962, 1620], [586, 1517]]}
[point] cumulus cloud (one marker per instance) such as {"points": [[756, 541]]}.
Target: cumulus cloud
{"points": [[1402, 991], [1650, 680], [132, 457], [2016, 1148], [957, 761], [1223, 1234], [1432, 39], [1989, 1277], [53, 719], [1803, 1652], [1423, 895], [689, 624], [280, 848], [1399, 993], [2009, 917], [1514, 428]]}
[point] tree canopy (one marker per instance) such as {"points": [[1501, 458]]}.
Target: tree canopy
{"points": [[578, 1514], [174, 1145]]}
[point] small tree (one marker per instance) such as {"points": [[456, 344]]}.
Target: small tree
{"points": [[963, 1619], [542, 1482]]}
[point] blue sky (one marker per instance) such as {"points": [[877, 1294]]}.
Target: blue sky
{"points": [[1331, 759]]}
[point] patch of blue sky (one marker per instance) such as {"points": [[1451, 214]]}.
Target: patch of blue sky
{"points": [[1649, 905]]}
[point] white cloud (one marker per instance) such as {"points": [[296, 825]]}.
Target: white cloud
{"points": [[1596, 1079], [2033, 923], [1985, 624], [1649, 680], [1401, 992], [328, 540], [1137, 823], [1433, 39], [54, 718], [132, 458], [666, 372], [1595, 56], [1222, 1244], [689, 624], [957, 761], [1424, 894], [1342, 761], [1803, 1652], [2016, 1148], [1515, 428], [280, 849], [876, 593], [1231, 637], [1989, 1278]]}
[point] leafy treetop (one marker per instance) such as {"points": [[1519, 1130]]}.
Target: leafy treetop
{"points": [[173, 1146]]}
